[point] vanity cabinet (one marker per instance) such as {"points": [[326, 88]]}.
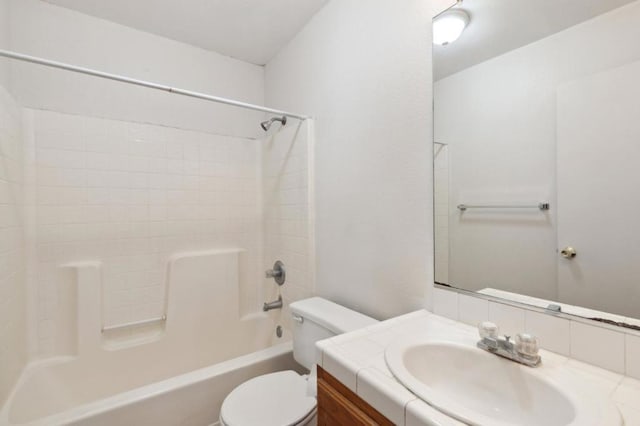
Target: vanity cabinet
{"points": [[339, 406]]}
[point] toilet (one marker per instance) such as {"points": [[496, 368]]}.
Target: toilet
{"points": [[287, 398]]}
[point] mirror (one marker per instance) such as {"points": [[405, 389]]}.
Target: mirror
{"points": [[537, 155]]}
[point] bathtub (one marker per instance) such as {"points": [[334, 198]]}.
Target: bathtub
{"points": [[172, 372]]}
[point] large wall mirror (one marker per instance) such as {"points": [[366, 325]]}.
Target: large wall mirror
{"points": [[537, 154]]}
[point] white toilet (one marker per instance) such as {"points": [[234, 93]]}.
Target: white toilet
{"points": [[286, 398]]}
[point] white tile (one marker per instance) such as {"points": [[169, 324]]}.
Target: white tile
{"points": [[509, 319], [590, 376], [346, 337], [630, 414], [384, 337], [380, 364], [445, 303], [419, 413], [598, 346], [422, 313], [337, 363], [628, 392], [361, 349], [384, 393], [553, 333], [472, 310], [553, 359], [632, 356]]}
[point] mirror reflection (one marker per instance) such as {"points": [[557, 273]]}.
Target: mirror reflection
{"points": [[537, 153]]}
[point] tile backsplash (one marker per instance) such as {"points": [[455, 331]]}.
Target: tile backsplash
{"points": [[615, 350]]}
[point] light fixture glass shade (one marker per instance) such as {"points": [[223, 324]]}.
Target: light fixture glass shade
{"points": [[448, 27]]}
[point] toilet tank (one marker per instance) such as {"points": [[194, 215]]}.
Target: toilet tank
{"points": [[316, 319]]}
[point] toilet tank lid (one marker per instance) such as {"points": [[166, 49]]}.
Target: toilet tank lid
{"points": [[333, 317]]}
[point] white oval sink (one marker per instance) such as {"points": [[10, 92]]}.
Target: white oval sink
{"points": [[480, 388]]}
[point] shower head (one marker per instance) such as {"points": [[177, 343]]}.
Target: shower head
{"points": [[267, 124]]}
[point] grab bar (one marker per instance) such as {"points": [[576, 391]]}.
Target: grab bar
{"points": [[132, 324], [541, 206]]}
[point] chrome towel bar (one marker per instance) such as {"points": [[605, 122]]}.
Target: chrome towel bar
{"points": [[540, 206]]}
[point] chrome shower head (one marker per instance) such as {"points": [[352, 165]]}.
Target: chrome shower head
{"points": [[267, 124]]}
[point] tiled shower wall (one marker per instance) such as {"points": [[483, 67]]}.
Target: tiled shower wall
{"points": [[12, 289], [288, 207], [129, 195]]}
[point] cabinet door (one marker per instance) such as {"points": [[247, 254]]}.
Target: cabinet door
{"points": [[339, 406], [335, 409]]}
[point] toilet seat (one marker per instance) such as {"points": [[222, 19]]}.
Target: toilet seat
{"points": [[276, 399]]}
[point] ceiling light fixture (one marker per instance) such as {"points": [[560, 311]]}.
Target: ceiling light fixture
{"points": [[449, 25]]}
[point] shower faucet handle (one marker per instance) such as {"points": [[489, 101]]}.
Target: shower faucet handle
{"points": [[278, 273], [270, 273]]}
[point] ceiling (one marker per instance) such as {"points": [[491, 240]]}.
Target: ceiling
{"points": [[250, 30], [498, 26]]}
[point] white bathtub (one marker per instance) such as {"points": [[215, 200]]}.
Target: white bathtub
{"points": [[190, 399], [175, 372]]}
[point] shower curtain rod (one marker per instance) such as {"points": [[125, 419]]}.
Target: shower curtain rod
{"points": [[88, 71]]}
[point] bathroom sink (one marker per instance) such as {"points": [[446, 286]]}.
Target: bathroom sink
{"points": [[480, 388]]}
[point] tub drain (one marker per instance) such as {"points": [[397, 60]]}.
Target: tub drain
{"points": [[279, 331]]}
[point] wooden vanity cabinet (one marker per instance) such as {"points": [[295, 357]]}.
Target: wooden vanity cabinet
{"points": [[339, 406]]}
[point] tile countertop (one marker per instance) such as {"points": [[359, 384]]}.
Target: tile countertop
{"points": [[357, 360]]}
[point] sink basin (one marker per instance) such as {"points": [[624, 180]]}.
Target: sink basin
{"points": [[480, 388]]}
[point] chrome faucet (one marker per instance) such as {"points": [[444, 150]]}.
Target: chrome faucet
{"points": [[277, 304], [524, 350]]}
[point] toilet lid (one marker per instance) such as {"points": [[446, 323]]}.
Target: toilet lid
{"points": [[275, 399]]}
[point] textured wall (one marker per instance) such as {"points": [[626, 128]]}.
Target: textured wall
{"points": [[4, 43], [364, 73]]}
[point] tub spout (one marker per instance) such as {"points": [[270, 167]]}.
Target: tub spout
{"points": [[273, 305]]}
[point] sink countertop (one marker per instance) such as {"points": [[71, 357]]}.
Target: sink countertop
{"points": [[357, 360]]}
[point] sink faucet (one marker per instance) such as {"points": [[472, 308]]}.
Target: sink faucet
{"points": [[524, 350]]}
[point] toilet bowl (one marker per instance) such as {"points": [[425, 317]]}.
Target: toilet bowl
{"points": [[287, 398], [274, 399]]}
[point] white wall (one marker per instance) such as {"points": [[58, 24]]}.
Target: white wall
{"points": [[4, 42], [499, 119], [42, 29], [13, 345], [364, 74]]}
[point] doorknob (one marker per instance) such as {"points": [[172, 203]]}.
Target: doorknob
{"points": [[568, 252]]}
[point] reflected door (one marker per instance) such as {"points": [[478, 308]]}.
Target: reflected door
{"points": [[599, 190]]}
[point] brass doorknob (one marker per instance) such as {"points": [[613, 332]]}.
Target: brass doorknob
{"points": [[568, 252]]}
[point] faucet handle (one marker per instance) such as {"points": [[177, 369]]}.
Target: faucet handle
{"points": [[277, 273], [487, 329], [527, 345]]}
